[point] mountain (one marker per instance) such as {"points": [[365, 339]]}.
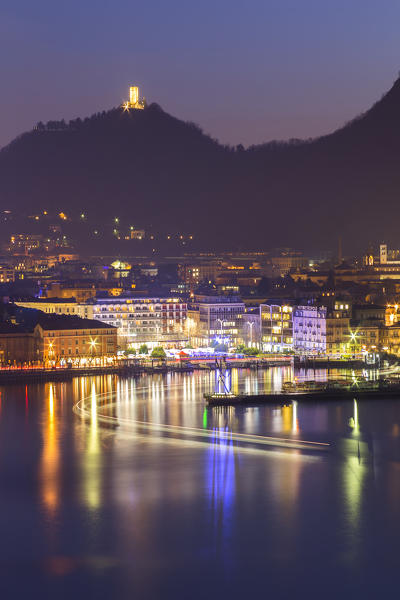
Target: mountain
{"points": [[152, 169]]}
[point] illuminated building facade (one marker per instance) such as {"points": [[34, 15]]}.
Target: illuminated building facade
{"points": [[388, 257], [136, 234], [81, 292], [338, 331], [276, 327], [59, 306], [367, 337], [193, 274], [390, 339], [59, 338], [7, 274], [154, 321], [391, 314], [216, 319], [309, 329], [25, 242]]}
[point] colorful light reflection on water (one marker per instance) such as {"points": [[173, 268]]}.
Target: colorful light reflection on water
{"points": [[116, 510]]}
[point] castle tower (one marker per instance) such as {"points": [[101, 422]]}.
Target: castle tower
{"points": [[133, 96], [134, 99]]}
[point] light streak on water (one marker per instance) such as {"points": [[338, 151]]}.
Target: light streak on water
{"points": [[192, 432]]}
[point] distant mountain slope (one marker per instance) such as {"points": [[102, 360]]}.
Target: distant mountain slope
{"points": [[151, 168]]}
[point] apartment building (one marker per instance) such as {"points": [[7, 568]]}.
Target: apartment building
{"points": [[276, 323], [215, 319]]}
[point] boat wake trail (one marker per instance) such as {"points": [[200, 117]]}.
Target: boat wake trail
{"points": [[107, 413]]}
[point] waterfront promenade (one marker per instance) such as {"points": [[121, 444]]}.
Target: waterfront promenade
{"points": [[28, 374]]}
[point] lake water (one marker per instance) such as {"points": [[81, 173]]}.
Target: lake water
{"points": [[132, 488]]}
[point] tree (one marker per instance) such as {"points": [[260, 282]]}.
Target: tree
{"points": [[144, 349], [158, 352], [264, 286], [251, 351], [221, 348], [247, 351]]}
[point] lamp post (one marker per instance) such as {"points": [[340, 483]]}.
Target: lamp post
{"points": [[93, 344], [51, 351], [221, 321]]}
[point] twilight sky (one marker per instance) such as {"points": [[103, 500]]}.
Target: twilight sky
{"points": [[246, 71]]}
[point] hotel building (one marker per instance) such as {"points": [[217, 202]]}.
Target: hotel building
{"points": [[309, 329], [153, 321]]}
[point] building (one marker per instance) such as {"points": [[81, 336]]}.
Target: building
{"points": [[154, 321], [388, 257], [338, 331], [276, 323], [286, 261], [136, 234], [17, 345], [59, 339], [25, 242], [391, 314], [369, 312], [81, 292], [215, 320], [7, 274], [196, 273], [367, 327], [59, 306], [390, 339], [367, 337], [309, 329]]}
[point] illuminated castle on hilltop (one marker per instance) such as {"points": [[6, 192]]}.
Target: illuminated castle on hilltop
{"points": [[134, 100]]}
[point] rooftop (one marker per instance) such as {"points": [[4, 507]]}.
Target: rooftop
{"points": [[39, 301], [60, 322]]}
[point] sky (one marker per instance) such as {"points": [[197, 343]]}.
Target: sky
{"points": [[246, 71]]}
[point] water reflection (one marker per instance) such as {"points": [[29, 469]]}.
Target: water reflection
{"points": [[221, 476], [92, 461], [156, 511], [50, 459]]}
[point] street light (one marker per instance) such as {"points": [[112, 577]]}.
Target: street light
{"points": [[51, 352], [353, 340], [221, 321]]}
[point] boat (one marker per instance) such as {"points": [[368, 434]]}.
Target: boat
{"points": [[311, 391], [236, 399]]}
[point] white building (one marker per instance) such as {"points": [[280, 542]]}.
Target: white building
{"points": [[309, 329], [153, 321]]}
